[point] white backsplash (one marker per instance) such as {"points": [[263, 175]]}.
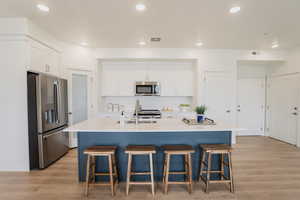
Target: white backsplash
{"points": [[148, 102]]}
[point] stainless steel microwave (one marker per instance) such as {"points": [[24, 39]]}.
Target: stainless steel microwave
{"points": [[147, 88]]}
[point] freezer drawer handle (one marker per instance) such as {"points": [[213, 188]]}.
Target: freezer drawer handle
{"points": [[52, 134]]}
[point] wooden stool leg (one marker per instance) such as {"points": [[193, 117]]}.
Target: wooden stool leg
{"points": [[151, 171], [167, 173], [222, 166], [111, 177], [208, 171], [164, 168], [190, 172], [230, 172], [128, 173], [186, 167], [201, 165], [87, 175], [115, 168]]}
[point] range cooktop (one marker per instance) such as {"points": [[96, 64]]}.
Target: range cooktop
{"points": [[149, 113]]}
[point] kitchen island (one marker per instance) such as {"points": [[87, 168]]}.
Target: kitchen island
{"points": [[103, 131]]}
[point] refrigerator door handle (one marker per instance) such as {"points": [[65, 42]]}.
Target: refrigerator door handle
{"points": [[56, 101]]}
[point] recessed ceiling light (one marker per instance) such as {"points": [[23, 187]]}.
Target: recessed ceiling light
{"points": [[43, 7], [199, 44], [84, 43], [235, 9], [142, 43], [140, 7], [275, 45]]}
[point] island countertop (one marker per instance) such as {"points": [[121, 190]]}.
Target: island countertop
{"points": [[162, 125]]}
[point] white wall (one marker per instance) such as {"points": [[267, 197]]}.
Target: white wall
{"points": [[291, 65], [146, 102], [14, 153]]}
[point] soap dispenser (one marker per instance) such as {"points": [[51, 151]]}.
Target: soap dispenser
{"points": [[122, 119]]}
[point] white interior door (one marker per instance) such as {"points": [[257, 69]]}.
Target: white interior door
{"points": [[251, 106], [219, 89], [80, 99], [283, 102]]}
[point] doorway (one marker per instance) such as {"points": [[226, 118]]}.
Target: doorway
{"points": [[79, 99], [251, 105], [283, 103], [251, 98], [219, 96]]}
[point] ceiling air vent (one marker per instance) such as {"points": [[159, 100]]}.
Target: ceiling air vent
{"points": [[155, 39]]}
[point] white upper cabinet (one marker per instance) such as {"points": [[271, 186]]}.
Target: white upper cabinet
{"points": [[119, 77], [44, 59]]}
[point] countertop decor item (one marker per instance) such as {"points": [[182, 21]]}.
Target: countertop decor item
{"points": [[200, 110], [206, 122], [184, 107]]}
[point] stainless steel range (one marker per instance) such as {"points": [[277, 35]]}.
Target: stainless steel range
{"points": [[149, 114], [146, 113]]}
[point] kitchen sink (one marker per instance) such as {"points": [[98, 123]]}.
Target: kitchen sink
{"points": [[140, 122]]}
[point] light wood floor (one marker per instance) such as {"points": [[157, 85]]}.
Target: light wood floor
{"points": [[264, 169]]}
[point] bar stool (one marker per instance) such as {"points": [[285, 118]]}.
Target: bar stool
{"points": [[223, 150], [140, 150], [92, 153], [186, 151]]}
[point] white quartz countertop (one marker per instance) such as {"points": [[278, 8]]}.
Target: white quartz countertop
{"points": [[162, 125]]}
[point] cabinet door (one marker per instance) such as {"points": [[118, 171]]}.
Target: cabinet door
{"points": [[219, 94], [176, 79], [52, 59], [44, 59], [38, 56]]}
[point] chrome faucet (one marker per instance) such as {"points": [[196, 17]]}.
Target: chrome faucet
{"points": [[136, 116], [137, 109]]}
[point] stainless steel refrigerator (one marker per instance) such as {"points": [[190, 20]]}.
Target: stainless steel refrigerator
{"points": [[47, 117]]}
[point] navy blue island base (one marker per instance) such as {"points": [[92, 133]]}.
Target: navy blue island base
{"points": [[141, 163]]}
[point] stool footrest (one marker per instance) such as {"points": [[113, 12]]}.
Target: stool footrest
{"points": [[219, 181], [140, 183], [178, 173], [101, 184], [215, 172], [104, 174], [140, 173], [178, 183]]}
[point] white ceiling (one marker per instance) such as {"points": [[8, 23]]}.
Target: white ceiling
{"points": [[180, 23]]}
